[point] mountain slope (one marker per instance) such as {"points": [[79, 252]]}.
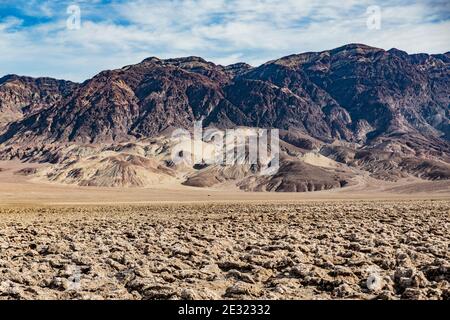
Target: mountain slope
{"points": [[364, 92], [354, 93], [23, 96], [384, 112], [140, 100]]}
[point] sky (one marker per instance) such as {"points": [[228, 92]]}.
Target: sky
{"points": [[74, 40]]}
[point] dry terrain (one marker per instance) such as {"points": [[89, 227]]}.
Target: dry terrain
{"points": [[17, 187], [366, 241], [349, 200], [341, 249]]}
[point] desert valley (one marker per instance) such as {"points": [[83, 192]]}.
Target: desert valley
{"points": [[92, 205]]}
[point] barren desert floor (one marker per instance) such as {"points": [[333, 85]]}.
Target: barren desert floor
{"points": [[364, 242], [312, 250], [17, 189]]}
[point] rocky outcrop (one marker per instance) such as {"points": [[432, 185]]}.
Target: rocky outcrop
{"points": [[23, 96]]}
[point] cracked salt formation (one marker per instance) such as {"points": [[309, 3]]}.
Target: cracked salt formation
{"points": [[309, 250]]}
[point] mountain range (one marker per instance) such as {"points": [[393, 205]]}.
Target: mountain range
{"points": [[354, 111]]}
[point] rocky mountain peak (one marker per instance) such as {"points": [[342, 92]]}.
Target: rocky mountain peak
{"points": [[237, 69]]}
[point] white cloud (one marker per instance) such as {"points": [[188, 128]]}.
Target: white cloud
{"points": [[225, 31]]}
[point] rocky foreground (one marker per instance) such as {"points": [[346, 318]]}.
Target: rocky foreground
{"points": [[309, 250]]}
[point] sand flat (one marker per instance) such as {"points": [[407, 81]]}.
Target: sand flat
{"points": [[18, 189]]}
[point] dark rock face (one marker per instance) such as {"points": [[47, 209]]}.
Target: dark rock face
{"points": [[295, 176], [23, 96], [366, 99], [354, 93], [356, 86], [136, 101]]}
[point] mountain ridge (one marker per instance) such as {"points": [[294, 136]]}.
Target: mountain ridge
{"points": [[385, 112]]}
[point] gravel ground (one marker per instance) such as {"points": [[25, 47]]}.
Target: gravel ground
{"points": [[308, 250]]}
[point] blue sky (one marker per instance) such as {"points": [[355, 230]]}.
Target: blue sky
{"points": [[35, 40]]}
